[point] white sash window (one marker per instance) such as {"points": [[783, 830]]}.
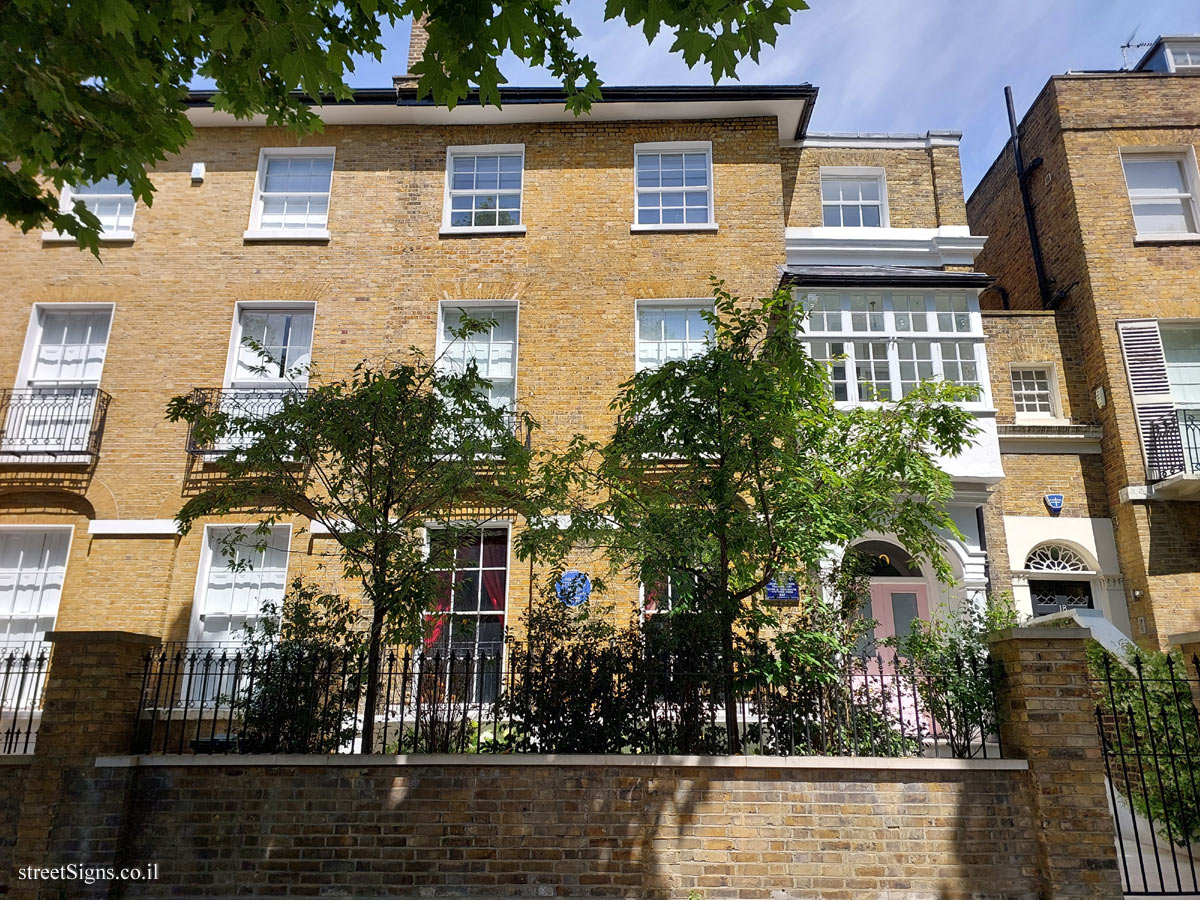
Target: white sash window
{"points": [[33, 563], [235, 582]]}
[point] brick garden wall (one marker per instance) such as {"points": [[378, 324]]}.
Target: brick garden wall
{"points": [[585, 830], [11, 779]]}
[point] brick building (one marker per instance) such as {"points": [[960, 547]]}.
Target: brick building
{"points": [[597, 233], [1096, 358]]}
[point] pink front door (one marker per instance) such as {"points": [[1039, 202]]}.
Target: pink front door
{"points": [[894, 604]]}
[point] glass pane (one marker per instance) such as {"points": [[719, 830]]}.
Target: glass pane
{"points": [[870, 216], [466, 590], [1154, 175], [1164, 217], [850, 217], [831, 217], [904, 611], [870, 189], [829, 189], [672, 216]]}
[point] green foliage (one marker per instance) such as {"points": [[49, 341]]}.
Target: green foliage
{"points": [[733, 467], [948, 661], [1152, 732], [307, 658], [372, 458], [99, 89]]}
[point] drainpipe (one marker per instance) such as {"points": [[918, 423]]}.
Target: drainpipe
{"points": [[1023, 174]]}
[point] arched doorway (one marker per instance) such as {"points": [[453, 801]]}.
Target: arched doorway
{"points": [[899, 589], [1059, 579]]}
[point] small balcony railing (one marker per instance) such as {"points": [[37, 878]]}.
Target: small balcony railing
{"points": [[52, 422], [239, 405], [1173, 445]]}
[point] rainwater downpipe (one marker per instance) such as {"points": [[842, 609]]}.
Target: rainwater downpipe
{"points": [[1023, 174]]}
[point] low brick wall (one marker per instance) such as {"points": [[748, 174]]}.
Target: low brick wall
{"points": [[13, 771], [600, 827]]}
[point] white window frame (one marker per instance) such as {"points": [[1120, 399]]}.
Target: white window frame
{"points": [[474, 306], [255, 231], [473, 150], [496, 525], [195, 633], [70, 529], [1055, 415], [235, 338], [674, 302], [892, 336], [675, 147], [1189, 46], [66, 204], [33, 338], [1186, 156], [878, 173]]}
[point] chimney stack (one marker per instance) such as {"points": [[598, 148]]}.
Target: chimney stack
{"points": [[417, 40]]}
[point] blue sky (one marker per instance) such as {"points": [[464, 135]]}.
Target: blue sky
{"points": [[883, 65]]}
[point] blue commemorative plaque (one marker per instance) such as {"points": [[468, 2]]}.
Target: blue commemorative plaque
{"points": [[783, 589], [574, 587]]}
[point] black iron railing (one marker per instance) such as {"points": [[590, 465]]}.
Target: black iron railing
{"points": [[23, 670], [1173, 445], [52, 421], [517, 700], [237, 409], [1149, 730]]}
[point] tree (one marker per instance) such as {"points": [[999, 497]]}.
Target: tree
{"points": [[92, 90], [735, 467], [372, 458]]}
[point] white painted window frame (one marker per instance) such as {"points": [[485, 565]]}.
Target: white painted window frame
{"points": [[1186, 155], [70, 529], [432, 525], [33, 337], [652, 303], [474, 150], [892, 336], [675, 147], [235, 337], [1055, 416], [254, 230], [474, 306], [206, 555], [66, 204], [1172, 65], [878, 173]]}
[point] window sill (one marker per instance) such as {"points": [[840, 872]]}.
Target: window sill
{"points": [[679, 226], [54, 237], [480, 231], [280, 235], [1141, 240]]}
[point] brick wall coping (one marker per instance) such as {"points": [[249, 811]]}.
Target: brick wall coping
{"points": [[1004, 313], [1190, 637], [1041, 633], [16, 759], [481, 760], [107, 637]]}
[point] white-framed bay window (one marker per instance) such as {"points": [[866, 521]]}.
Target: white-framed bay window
{"points": [[236, 580], [853, 197], [881, 344], [494, 349], [484, 189], [673, 186], [670, 330], [291, 194], [54, 402], [33, 565], [1162, 185]]}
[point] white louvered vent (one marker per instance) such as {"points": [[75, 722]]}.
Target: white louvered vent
{"points": [[1150, 389]]}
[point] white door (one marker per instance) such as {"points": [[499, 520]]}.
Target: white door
{"points": [[33, 563], [235, 585]]}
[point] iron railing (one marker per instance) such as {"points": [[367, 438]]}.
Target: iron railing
{"points": [[514, 699], [23, 670], [52, 421], [1149, 728], [236, 406], [1173, 445]]}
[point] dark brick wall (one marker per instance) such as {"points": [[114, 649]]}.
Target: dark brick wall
{"points": [[580, 831]]}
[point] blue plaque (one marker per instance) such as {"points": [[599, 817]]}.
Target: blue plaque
{"points": [[786, 589], [573, 587], [1054, 502]]}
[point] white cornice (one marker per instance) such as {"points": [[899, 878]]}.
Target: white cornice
{"points": [[947, 245], [869, 141]]}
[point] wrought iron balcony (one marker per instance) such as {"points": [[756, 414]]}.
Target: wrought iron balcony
{"points": [[237, 405], [52, 422], [1173, 445]]}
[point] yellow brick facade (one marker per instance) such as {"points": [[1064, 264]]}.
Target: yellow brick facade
{"points": [[575, 276], [1101, 274]]}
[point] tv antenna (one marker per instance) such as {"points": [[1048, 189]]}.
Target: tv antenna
{"points": [[1130, 45]]}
